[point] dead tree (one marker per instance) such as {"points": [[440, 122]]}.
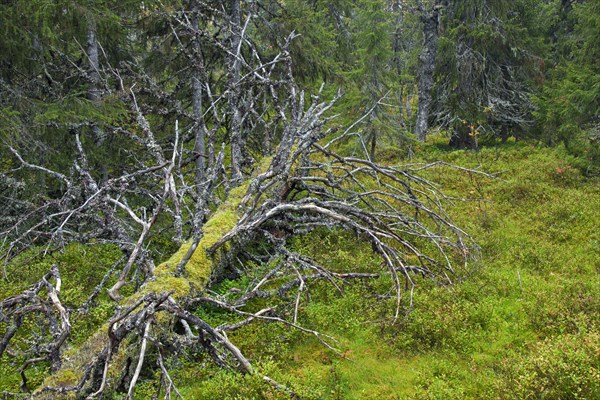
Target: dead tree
{"points": [[430, 21], [301, 186], [234, 74], [305, 186]]}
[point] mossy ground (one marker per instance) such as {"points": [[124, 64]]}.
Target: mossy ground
{"points": [[524, 324]]}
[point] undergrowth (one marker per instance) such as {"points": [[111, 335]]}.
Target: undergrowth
{"points": [[523, 325]]}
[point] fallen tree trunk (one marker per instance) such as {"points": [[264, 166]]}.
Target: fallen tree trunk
{"points": [[231, 214], [305, 186]]}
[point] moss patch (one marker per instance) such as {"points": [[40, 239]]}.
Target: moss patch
{"points": [[197, 274], [200, 264]]}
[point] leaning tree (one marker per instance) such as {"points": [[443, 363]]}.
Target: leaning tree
{"points": [[283, 178]]}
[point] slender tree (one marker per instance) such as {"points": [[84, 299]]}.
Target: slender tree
{"points": [[430, 20], [234, 90]]}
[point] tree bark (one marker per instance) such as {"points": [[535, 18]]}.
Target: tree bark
{"points": [[94, 77], [235, 93], [426, 69], [200, 131], [462, 138]]}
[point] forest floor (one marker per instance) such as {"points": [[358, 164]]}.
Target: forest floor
{"points": [[523, 324]]}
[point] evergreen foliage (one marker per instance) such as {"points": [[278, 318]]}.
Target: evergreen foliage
{"points": [[569, 103]]}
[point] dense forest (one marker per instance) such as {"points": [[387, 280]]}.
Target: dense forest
{"points": [[369, 199]]}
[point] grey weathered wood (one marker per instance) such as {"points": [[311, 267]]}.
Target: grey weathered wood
{"points": [[429, 19]]}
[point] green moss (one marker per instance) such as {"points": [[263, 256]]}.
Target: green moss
{"points": [[197, 274], [200, 264], [264, 164], [166, 283], [64, 377]]}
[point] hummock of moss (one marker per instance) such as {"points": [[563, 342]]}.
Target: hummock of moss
{"points": [[197, 274], [200, 265]]}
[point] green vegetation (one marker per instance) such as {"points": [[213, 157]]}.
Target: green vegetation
{"points": [[132, 131], [523, 325]]}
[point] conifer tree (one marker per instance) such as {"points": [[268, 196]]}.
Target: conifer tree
{"points": [[569, 104], [483, 72]]}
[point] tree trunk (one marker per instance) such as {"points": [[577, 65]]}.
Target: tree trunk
{"points": [[94, 77], [373, 145], [200, 134], [426, 68], [462, 138], [398, 62], [397, 40], [409, 97], [235, 93]]}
